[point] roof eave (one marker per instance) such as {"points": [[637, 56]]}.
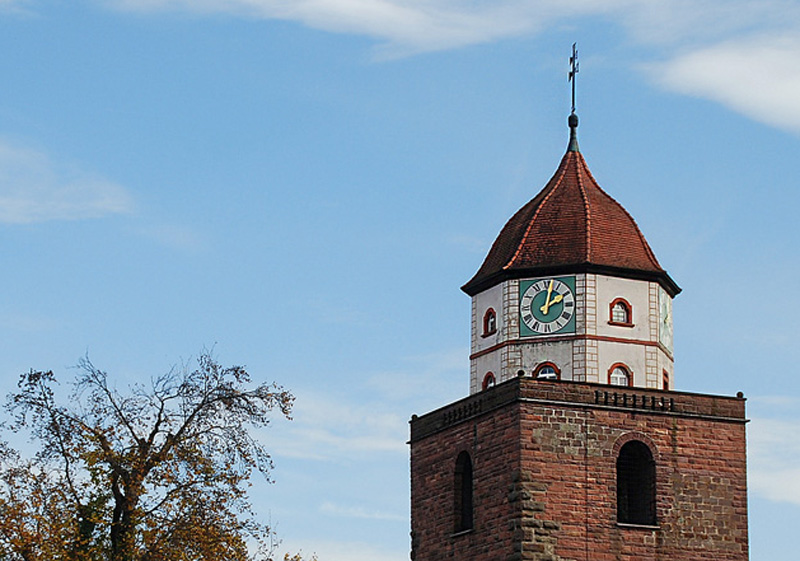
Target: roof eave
{"points": [[477, 285]]}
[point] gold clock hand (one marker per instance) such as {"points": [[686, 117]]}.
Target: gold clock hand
{"points": [[558, 298], [546, 307]]}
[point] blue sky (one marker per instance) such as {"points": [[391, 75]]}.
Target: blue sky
{"points": [[304, 186]]}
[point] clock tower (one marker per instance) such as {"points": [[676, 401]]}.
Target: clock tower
{"points": [[574, 444], [571, 290]]}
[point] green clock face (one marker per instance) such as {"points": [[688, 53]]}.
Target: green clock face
{"points": [[547, 306]]}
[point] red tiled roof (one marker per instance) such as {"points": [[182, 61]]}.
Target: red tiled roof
{"points": [[572, 225]]}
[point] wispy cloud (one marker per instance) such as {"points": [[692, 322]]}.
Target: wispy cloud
{"points": [[757, 76], [774, 459], [34, 188], [425, 25], [348, 425], [741, 53], [332, 429], [361, 512], [692, 23], [404, 26]]}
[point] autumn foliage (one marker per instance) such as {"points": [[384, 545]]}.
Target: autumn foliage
{"points": [[157, 473]]}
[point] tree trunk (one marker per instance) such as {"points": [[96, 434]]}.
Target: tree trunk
{"points": [[123, 523]]}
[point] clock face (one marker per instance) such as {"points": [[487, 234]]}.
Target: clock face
{"points": [[665, 319], [547, 306]]}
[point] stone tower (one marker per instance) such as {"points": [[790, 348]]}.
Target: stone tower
{"points": [[573, 444]]}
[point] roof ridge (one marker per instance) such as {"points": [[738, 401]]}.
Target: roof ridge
{"points": [[560, 172], [586, 207], [650, 254]]}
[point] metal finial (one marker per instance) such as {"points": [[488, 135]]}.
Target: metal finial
{"points": [[573, 118], [573, 71]]}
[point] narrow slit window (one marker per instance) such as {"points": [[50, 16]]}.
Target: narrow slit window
{"points": [[463, 493]]}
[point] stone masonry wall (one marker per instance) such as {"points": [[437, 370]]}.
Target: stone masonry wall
{"points": [[491, 441], [544, 456]]}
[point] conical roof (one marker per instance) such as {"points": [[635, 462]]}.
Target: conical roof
{"points": [[571, 226]]}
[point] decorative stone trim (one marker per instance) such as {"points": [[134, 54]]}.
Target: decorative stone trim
{"points": [[580, 395], [634, 401]]}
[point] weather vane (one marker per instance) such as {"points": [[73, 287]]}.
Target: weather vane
{"points": [[573, 70]]}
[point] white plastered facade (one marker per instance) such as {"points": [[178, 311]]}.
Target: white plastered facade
{"points": [[588, 354]]}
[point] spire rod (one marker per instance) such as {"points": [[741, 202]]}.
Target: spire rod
{"points": [[573, 118], [573, 71]]}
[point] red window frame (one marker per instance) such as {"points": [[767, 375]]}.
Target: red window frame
{"points": [[489, 322], [628, 312], [627, 370], [544, 365]]}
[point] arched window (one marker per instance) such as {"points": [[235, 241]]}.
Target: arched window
{"points": [[619, 375], [547, 371], [665, 380], [488, 381], [463, 493], [636, 484], [489, 322], [620, 313]]}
